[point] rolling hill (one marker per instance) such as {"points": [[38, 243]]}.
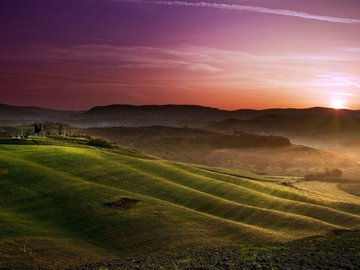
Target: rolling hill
{"points": [[65, 203], [18, 112], [294, 125], [17, 115]]}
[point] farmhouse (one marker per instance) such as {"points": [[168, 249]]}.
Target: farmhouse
{"points": [[51, 129]]}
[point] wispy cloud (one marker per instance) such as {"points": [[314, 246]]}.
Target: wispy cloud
{"points": [[281, 12], [116, 57], [118, 67]]}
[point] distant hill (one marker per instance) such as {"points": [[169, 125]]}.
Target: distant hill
{"points": [[14, 115], [147, 115], [201, 111], [177, 115], [24, 111], [170, 110], [341, 128], [292, 124]]}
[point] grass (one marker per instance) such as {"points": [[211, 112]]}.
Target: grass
{"points": [[52, 206], [352, 188]]}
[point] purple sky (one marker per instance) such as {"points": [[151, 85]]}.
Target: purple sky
{"points": [[75, 54]]}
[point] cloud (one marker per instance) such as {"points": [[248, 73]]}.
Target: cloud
{"points": [[341, 79], [109, 56], [281, 12], [109, 66]]}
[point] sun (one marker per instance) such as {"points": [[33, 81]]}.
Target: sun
{"points": [[338, 104]]}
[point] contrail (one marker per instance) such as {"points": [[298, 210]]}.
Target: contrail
{"points": [[281, 12]]}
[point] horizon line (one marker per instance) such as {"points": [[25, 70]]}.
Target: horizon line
{"points": [[180, 104]]}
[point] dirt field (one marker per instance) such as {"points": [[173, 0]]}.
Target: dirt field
{"points": [[353, 188], [337, 251], [327, 190]]}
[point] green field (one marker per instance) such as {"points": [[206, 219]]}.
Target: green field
{"points": [[53, 212]]}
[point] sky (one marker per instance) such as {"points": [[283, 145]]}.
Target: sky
{"points": [[229, 54]]}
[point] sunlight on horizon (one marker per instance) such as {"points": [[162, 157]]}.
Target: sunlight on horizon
{"points": [[338, 104]]}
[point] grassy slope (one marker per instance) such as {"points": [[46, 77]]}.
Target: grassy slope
{"points": [[51, 203]]}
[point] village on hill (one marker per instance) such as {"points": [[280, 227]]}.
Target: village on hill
{"points": [[37, 129]]}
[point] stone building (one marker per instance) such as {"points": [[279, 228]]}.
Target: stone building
{"points": [[51, 129]]}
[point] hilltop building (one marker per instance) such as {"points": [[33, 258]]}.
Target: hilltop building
{"points": [[51, 129]]}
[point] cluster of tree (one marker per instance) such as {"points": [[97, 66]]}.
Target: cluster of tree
{"points": [[99, 143], [326, 175]]}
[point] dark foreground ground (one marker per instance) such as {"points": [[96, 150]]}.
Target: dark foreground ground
{"points": [[339, 250]]}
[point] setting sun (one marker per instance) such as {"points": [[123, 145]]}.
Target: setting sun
{"points": [[338, 104]]}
